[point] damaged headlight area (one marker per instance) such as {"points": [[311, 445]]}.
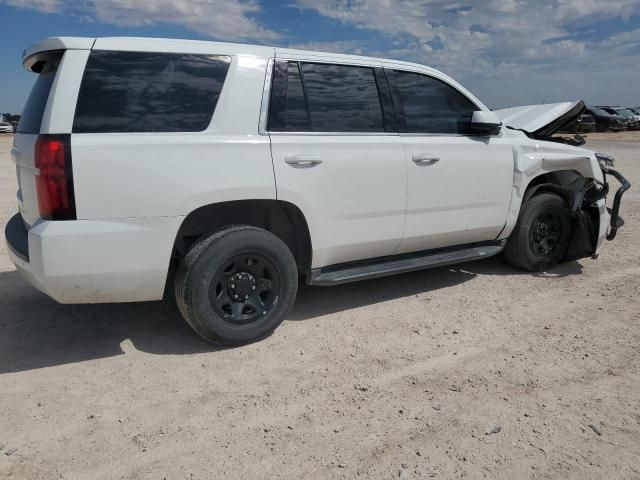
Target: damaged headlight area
{"points": [[605, 160]]}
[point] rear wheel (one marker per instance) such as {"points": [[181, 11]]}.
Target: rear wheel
{"points": [[236, 285], [541, 236]]}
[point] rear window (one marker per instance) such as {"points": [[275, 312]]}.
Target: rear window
{"points": [[149, 92], [342, 98], [33, 111]]}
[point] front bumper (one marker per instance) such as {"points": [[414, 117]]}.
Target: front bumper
{"points": [[94, 261], [616, 220]]}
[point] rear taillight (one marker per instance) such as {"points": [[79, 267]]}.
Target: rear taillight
{"points": [[54, 177]]}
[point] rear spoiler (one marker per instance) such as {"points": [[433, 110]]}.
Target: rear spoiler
{"points": [[31, 54]]}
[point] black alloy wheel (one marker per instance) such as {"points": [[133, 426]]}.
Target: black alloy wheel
{"points": [[542, 233], [546, 232], [245, 288]]}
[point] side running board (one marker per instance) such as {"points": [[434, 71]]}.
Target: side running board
{"points": [[351, 272]]}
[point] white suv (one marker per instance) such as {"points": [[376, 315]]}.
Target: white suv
{"points": [[223, 172]]}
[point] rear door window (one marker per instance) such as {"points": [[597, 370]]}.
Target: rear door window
{"points": [[149, 92], [328, 98], [342, 98], [427, 105], [33, 111]]}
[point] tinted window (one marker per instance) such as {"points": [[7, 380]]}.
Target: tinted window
{"points": [[37, 101], [342, 98], [148, 92], [428, 105], [288, 111]]}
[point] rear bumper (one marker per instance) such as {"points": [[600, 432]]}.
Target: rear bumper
{"points": [[92, 261]]}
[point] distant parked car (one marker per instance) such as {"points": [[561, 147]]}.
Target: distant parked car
{"points": [[632, 119], [585, 124], [6, 127], [607, 121]]}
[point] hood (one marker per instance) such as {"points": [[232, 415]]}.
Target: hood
{"points": [[541, 121]]}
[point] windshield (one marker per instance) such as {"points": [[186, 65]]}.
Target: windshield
{"points": [[598, 111], [624, 112]]}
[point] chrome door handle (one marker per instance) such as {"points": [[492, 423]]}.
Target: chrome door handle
{"points": [[303, 161], [425, 159]]}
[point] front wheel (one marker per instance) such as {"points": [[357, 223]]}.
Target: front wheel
{"points": [[541, 236], [236, 285]]}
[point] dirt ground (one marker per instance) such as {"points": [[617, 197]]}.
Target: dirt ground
{"points": [[474, 371]]}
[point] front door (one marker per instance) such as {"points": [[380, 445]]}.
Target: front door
{"points": [[459, 185]]}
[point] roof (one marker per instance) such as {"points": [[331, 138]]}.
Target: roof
{"points": [[207, 47], [177, 45]]}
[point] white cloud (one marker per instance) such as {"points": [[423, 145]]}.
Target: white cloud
{"points": [[508, 51], [48, 6], [222, 19], [341, 46], [225, 19]]}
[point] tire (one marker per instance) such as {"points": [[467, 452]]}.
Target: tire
{"points": [[236, 285], [542, 234]]}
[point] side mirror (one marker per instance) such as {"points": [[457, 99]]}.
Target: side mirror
{"points": [[485, 123]]}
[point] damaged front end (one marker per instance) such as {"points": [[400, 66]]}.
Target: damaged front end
{"points": [[582, 195], [568, 173], [606, 163]]}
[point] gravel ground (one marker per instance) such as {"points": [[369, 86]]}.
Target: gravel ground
{"points": [[476, 371]]}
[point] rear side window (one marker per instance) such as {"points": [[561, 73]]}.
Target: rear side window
{"points": [[149, 92], [325, 98], [428, 105], [33, 111]]}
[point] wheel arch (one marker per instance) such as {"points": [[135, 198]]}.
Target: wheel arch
{"points": [[283, 219], [566, 182]]}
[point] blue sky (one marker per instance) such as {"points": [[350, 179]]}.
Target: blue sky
{"points": [[508, 52]]}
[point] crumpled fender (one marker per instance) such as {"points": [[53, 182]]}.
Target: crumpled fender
{"points": [[532, 161]]}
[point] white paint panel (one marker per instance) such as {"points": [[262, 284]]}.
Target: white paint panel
{"points": [[354, 201], [463, 196], [122, 175], [61, 105], [100, 261]]}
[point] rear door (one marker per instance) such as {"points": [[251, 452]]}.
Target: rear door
{"points": [[338, 157]]}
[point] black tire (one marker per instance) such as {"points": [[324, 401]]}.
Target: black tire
{"points": [[222, 269], [542, 234]]}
